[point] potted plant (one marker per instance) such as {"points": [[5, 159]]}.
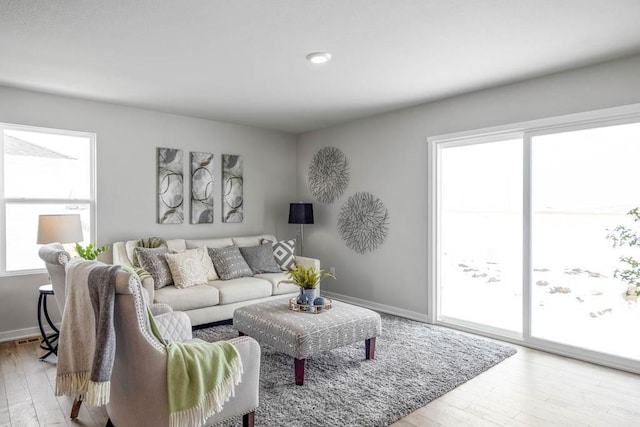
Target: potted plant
{"points": [[308, 279], [91, 251], [630, 272]]}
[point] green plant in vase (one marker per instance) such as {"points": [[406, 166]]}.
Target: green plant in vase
{"points": [[91, 251], [630, 273], [308, 279]]}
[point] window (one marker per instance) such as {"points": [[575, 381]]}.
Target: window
{"points": [[45, 171], [521, 230]]}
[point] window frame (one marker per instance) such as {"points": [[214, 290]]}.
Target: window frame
{"points": [[91, 201]]}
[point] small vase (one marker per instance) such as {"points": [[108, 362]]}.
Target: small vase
{"points": [[301, 298], [310, 296]]}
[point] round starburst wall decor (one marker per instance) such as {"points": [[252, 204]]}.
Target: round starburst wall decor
{"points": [[328, 175], [363, 222]]}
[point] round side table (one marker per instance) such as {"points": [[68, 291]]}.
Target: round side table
{"points": [[49, 342]]}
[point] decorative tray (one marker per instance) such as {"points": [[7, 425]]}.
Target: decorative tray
{"points": [[312, 309]]}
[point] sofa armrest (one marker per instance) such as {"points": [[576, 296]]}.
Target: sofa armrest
{"points": [[308, 262], [119, 253], [174, 326], [147, 285]]}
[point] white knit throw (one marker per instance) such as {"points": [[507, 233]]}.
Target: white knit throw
{"points": [[77, 342]]}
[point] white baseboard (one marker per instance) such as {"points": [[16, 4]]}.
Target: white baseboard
{"points": [[23, 333], [400, 312]]}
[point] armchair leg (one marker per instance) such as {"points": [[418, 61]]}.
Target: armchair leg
{"points": [[249, 419], [75, 409]]}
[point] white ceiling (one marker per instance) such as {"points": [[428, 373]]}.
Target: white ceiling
{"points": [[243, 61]]}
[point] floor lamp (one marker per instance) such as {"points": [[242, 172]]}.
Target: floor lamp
{"points": [[301, 213]]}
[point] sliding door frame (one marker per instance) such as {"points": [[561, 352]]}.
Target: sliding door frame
{"points": [[525, 131]]}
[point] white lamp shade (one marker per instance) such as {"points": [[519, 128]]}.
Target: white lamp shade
{"points": [[59, 229]]}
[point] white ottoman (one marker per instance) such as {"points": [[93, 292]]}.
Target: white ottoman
{"points": [[301, 335]]}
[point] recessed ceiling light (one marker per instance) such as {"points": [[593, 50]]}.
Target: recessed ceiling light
{"points": [[319, 57]]}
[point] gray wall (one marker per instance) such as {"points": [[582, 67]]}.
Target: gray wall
{"points": [[387, 154], [126, 178], [388, 157]]}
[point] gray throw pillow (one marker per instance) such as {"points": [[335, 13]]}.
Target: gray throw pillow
{"points": [[153, 261], [229, 263], [260, 258], [284, 253]]}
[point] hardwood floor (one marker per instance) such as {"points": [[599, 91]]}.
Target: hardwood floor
{"points": [[531, 388]]}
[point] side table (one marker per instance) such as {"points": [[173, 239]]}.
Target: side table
{"points": [[49, 342]]}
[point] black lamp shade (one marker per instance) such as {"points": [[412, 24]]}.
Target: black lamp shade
{"points": [[300, 213]]}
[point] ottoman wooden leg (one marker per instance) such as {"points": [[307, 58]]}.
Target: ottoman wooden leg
{"points": [[248, 420], [370, 348], [299, 370]]}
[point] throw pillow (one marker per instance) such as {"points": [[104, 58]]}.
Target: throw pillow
{"points": [[205, 261], [151, 242], [153, 261], [229, 263], [186, 268], [284, 252], [260, 258]]}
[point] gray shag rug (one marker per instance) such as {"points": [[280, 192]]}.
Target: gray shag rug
{"points": [[414, 364]]}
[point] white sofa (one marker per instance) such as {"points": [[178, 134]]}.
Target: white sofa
{"points": [[217, 300]]}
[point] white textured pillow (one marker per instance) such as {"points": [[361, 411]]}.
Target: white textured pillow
{"points": [[205, 259], [186, 268]]}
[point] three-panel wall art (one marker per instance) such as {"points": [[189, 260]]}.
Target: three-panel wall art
{"points": [[171, 191]]}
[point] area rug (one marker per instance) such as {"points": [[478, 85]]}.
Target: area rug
{"points": [[414, 364]]}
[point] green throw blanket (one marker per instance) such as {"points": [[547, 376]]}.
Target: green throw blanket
{"points": [[201, 377]]}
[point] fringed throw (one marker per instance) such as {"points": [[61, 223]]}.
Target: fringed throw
{"points": [[201, 377], [87, 337]]}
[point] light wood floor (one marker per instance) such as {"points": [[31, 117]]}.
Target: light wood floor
{"points": [[531, 388]]}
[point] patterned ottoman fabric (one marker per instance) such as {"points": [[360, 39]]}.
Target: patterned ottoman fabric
{"points": [[301, 335]]}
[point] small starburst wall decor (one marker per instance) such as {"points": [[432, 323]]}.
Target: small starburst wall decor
{"points": [[328, 175]]}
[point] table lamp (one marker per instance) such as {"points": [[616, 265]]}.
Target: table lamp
{"points": [[301, 213], [65, 228]]}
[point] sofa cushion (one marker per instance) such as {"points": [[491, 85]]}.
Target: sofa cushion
{"points": [[278, 284], [153, 261], [209, 243], [192, 298], [284, 252], [246, 241], [176, 245], [187, 267], [242, 289], [260, 258], [229, 263]]}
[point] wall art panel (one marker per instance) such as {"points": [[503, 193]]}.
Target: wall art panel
{"points": [[201, 188], [232, 188], [170, 186]]}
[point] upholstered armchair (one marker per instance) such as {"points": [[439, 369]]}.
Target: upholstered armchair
{"points": [[139, 377], [56, 258]]}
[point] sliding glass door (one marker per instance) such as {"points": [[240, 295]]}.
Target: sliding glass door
{"points": [[583, 184], [481, 234], [537, 237]]}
